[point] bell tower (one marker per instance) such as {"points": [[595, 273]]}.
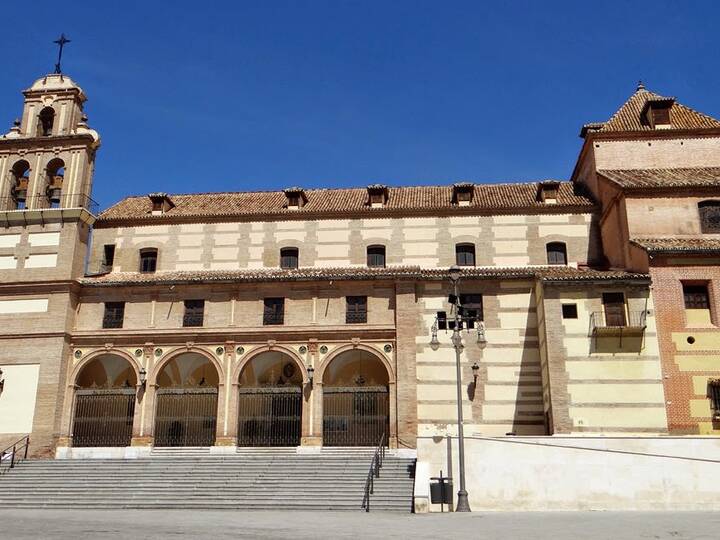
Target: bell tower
{"points": [[47, 157]]}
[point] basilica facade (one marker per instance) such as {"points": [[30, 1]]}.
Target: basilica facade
{"points": [[321, 317]]}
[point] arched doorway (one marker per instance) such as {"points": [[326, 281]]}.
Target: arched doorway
{"points": [[356, 404], [104, 402], [270, 401], [187, 396]]}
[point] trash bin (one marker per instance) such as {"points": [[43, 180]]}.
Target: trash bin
{"points": [[441, 490]]}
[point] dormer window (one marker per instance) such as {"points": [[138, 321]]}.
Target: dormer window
{"points": [[295, 198], [377, 195], [463, 193], [656, 113], [548, 192], [161, 203]]}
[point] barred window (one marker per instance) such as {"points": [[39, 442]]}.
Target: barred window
{"points": [[709, 216], [356, 311], [696, 297], [114, 315], [194, 313], [713, 394], [148, 260], [376, 256], [556, 253], [465, 254], [274, 311], [471, 306], [289, 258]]}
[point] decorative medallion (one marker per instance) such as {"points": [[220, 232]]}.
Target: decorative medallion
{"points": [[388, 348], [289, 370], [138, 352], [158, 352], [219, 351], [240, 351], [323, 349], [78, 354], [302, 349]]}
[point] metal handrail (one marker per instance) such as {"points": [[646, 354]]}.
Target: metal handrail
{"points": [[374, 472], [45, 202], [9, 456]]}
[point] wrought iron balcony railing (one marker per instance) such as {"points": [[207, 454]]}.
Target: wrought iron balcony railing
{"points": [[193, 319], [112, 321], [617, 323], [42, 202]]}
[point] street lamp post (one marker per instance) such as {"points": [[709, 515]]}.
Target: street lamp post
{"points": [[460, 317]]}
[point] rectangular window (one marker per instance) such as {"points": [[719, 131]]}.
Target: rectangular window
{"points": [[377, 198], [614, 306], [465, 255], [289, 258], [713, 394], [114, 315], [274, 311], [356, 309], [108, 256], [697, 304], [194, 313], [569, 311], [376, 256], [471, 306]]}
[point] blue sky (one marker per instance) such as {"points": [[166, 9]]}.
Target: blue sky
{"points": [[226, 96]]}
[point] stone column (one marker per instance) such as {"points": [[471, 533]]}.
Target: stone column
{"points": [[220, 438], [405, 398], [144, 423]]}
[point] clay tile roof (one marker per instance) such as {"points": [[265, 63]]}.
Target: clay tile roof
{"points": [[629, 116], [664, 178], [496, 198], [413, 273], [679, 245]]}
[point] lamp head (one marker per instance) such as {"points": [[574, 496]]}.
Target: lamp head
{"points": [[310, 373], [143, 376], [475, 370], [454, 273]]}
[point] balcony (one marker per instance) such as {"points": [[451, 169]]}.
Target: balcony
{"points": [[45, 202], [193, 319], [618, 324], [112, 321]]}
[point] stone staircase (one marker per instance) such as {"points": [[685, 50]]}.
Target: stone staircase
{"points": [[252, 479]]}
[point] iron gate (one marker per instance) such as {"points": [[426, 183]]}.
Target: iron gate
{"points": [[186, 416], [355, 416], [270, 416], [103, 417]]}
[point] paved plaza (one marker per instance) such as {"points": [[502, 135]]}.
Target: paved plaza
{"points": [[139, 524]]}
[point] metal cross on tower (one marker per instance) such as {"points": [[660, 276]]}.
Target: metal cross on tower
{"points": [[61, 41]]}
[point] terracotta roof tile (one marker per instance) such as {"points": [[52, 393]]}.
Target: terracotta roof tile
{"points": [[629, 116], [413, 273], [664, 178], [401, 200], [679, 245]]}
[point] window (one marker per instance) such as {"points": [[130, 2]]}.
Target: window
{"points": [[709, 216], [274, 311], [293, 200], [443, 322], [46, 118], [713, 394], [556, 253], [614, 306], [376, 256], [108, 257], [356, 309], [569, 311], [465, 254], [696, 297], [114, 315], [194, 313], [289, 258], [148, 260], [697, 304], [462, 193], [471, 307]]}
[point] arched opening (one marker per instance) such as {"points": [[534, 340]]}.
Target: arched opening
{"points": [[46, 119], [270, 401], [187, 396], [20, 181], [104, 402], [54, 181], [356, 400]]}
